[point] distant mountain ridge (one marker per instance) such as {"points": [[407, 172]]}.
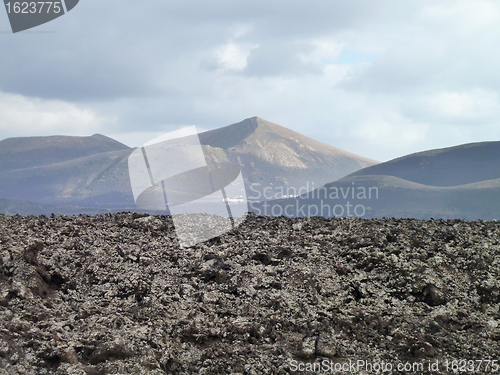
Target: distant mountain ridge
{"points": [[272, 155], [451, 166], [455, 182], [97, 180], [26, 152], [92, 172], [90, 175]]}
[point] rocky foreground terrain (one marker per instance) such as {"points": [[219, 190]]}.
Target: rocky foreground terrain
{"points": [[114, 294]]}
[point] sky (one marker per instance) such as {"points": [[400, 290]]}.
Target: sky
{"points": [[380, 79]]}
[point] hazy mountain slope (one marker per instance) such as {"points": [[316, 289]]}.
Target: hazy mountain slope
{"points": [[13, 207], [388, 196], [271, 155], [406, 199], [17, 207], [93, 171], [455, 182], [451, 166], [25, 152], [94, 180], [91, 174]]}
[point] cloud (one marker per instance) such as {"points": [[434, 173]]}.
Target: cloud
{"points": [[323, 51], [458, 107], [124, 49], [379, 78], [231, 56], [395, 129], [463, 17], [284, 59], [22, 116]]}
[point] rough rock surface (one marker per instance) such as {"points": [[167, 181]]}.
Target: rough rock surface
{"points": [[114, 294]]}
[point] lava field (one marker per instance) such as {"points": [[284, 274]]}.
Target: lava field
{"points": [[115, 294]]}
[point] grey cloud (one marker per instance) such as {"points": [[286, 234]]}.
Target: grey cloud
{"points": [[281, 59], [120, 48], [104, 50], [431, 62], [151, 65], [396, 72]]}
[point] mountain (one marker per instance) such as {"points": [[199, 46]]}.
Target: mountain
{"points": [[26, 152], [457, 182], [90, 175], [99, 180], [273, 156], [13, 207], [451, 166], [92, 172], [65, 171]]}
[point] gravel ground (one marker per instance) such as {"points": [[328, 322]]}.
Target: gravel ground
{"points": [[114, 294]]}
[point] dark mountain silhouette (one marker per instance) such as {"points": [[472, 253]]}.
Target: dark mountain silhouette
{"points": [[13, 207], [64, 171], [92, 172], [457, 182], [99, 180], [451, 166], [25, 152]]}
